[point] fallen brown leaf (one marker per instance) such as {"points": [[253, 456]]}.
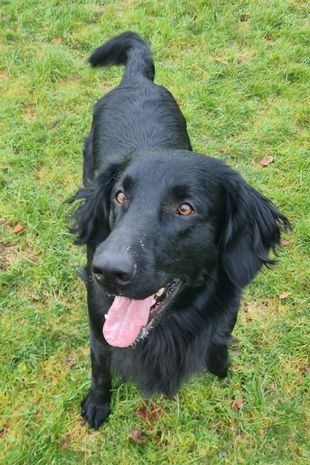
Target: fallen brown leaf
{"points": [[18, 228], [70, 360], [57, 40], [266, 160], [250, 306], [3, 433], [152, 413], [136, 435], [306, 370], [238, 404], [64, 444], [236, 431], [284, 295], [142, 412], [4, 430], [284, 242]]}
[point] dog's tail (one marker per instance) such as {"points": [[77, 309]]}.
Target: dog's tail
{"points": [[126, 49]]}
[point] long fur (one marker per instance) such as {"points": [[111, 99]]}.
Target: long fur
{"points": [[138, 143]]}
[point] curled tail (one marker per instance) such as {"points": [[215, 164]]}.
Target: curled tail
{"points": [[126, 49]]}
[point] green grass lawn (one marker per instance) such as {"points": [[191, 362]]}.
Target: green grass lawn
{"points": [[240, 72]]}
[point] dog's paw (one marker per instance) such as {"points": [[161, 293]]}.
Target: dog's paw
{"points": [[220, 371], [94, 413]]}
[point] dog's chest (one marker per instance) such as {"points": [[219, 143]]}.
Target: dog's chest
{"points": [[161, 362]]}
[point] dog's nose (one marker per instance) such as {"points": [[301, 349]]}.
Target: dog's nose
{"points": [[113, 269]]}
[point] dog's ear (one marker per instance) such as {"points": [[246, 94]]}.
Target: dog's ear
{"points": [[251, 228], [91, 217]]}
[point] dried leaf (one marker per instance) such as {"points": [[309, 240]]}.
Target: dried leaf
{"points": [[70, 360], [64, 444], [29, 114], [284, 242], [5, 428], [142, 412], [284, 295], [156, 413], [152, 413], [18, 229], [235, 431], [238, 404], [250, 306], [306, 370], [244, 17], [4, 431], [136, 435], [57, 40], [266, 160], [268, 36]]}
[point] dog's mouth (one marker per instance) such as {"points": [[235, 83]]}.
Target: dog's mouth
{"points": [[129, 320]]}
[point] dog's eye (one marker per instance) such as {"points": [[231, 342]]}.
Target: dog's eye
{"points": [[185, 209], [120, 197]]}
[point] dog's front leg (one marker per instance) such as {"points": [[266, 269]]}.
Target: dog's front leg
{"points": [[96, 405]]}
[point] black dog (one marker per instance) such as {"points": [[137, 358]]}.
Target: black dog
{"points": [[172, 238]]}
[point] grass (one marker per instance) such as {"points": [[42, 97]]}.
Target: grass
{"points": [[240, 72]]}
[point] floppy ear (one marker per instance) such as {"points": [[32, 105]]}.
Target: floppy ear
{"points": [[252, 228], [91, 217]]}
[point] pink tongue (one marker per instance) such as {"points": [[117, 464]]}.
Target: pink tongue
{"points": [[125, 320]]}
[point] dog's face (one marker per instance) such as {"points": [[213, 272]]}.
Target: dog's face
{"points": [[171, 219], [163, 223]]}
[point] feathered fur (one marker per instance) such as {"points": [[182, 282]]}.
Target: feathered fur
{"points": [[138, 144]]}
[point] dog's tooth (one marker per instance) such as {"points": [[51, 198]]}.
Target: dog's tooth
{"points": [[106, 315], [160, 292]]}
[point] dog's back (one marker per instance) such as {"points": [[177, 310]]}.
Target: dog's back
{"points": [[138, 113]]}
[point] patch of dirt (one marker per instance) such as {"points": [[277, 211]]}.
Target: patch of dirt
{"points": [[30, 114], [70, 360], [236, 56], [8, 254], [253, 310], [243, 56]]}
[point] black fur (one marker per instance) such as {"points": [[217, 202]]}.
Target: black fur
{"points": [[139, 144]]}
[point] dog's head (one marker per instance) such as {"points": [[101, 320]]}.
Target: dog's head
{"points": [[164, 220]]}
